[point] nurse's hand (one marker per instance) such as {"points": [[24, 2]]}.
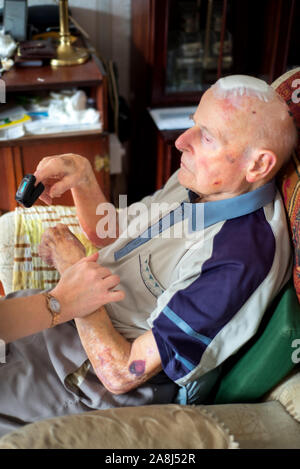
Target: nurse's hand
{"points": [[86, 286]]}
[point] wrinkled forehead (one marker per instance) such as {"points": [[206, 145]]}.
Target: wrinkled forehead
{"points": [[228, 115]]}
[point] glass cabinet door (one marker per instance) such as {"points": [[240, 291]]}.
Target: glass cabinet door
{"points": [[204, 40], [199, 44]]}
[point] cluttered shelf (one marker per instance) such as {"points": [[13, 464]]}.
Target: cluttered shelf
{"points": [[49, 100], [49, 112], [28, 139], [45, 77]]}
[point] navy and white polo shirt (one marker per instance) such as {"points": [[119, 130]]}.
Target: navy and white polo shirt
{"points": [[203, 293]]}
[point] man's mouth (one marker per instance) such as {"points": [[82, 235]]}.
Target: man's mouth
{"points": [[183, 165]]}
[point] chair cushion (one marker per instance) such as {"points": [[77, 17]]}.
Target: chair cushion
{"points": [[143, 427], [288, 391], [268, 357], [288, 86], [29, 270]]}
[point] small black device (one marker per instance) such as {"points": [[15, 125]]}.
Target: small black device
{"points": [[27, 193]]}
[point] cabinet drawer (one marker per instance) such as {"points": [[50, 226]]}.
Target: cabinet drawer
{"points": [[16, 161]]}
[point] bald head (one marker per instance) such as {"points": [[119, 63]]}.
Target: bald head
{"points": [[256, 114]]}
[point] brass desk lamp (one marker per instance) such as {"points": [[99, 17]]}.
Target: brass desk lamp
{"points": [[66, 53]]}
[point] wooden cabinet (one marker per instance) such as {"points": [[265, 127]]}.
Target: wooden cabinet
{"points": [[21, 156], [180, 48]]}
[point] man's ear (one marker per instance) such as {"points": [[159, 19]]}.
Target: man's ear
{"points": [[261, 164]]}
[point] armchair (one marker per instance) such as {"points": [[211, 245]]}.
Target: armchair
{"points": [[256, 403]]}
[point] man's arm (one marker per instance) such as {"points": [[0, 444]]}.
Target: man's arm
{"points": [[87, 197], [119, 364]]}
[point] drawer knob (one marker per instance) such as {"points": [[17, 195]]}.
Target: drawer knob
{"points": [[101, 162]]}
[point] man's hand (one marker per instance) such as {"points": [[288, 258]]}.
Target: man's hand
{"points": [[86, 286], [60, 173], [60, 248]]}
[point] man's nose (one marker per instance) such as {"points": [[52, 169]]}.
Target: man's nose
{"points": [[184, 141]]}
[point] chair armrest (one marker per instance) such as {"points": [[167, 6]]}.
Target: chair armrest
{"points": [[287, 392], [21, 231], [7, 246]]}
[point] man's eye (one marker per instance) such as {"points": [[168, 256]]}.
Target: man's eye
{"points": [[206, 139]]}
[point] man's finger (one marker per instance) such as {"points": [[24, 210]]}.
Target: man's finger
{"points": [[46, 198], [39, 169], [60, 187], [49, 168]]}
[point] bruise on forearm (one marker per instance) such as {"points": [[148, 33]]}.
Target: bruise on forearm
{"points": [[119, 364], [137, 367]]}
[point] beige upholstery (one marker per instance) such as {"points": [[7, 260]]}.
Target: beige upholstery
{"points": [[288, 394], [247, 426], [128, 427], [265, 425]]}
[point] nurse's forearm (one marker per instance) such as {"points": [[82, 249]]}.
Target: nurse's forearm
{"points": [[23, 316]]}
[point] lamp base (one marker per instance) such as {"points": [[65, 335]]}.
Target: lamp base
{"points": [[69, 55]]}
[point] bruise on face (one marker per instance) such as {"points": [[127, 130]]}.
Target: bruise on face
{"points": [[228, 106], [230, 158], [217, 183], [137, 367]]}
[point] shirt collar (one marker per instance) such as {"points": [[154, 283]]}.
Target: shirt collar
{"points": [[226, 209]]}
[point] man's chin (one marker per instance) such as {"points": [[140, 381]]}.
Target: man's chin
{"points": [[182, 178]]}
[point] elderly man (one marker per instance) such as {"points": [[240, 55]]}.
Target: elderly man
{"points": [[192, 300]]}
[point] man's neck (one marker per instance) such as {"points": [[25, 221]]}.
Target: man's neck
{"points": [[228, 195]]}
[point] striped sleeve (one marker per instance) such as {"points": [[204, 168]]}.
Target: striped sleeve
{"points": [[242, 256]]}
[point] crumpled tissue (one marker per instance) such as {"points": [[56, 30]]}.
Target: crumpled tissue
{"points": [[7, 45], [67, 109]]}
